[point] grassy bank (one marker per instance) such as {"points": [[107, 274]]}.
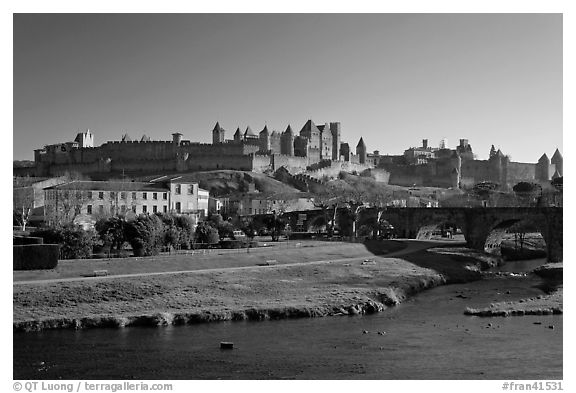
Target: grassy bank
{"points": [[358, 285]]}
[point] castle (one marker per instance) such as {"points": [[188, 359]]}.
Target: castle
{"points": [[458, 168], [267, 151], [317, 150]]}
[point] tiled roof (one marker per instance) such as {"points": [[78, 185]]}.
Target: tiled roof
{"points": [[110, 186]]}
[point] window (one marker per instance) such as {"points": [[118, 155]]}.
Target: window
{"points": [[154, 209], [165, 195], [191, 189], [133, 195], [165, 208], [155, 195], [101, 209], [144, 195], [112, 194], [134, 209], [89, 209], [89, 194], [123, 195], [144, 209], [178, 189], [101, 195], [178, 207]]}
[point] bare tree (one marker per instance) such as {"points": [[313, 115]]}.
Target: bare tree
{"points": [[23, 204]]}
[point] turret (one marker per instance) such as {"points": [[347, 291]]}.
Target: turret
{"points": [[264, 140], [176, 138], [361, 151], [287, 142], [557, 160], [543, 168], [218, 134], [237, 135], [335, 130]]}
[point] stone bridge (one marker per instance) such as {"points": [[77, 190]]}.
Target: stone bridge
{"points": [[483, 228]]}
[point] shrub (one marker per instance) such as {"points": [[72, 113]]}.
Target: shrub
{"points": [[74, 241], [35, 256]]}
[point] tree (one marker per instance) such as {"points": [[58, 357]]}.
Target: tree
{"points": [[23, 203], [206, 234], [225, 229], [527, 193], [484, 190], [112, 231], [276, 225], [144, 234]]}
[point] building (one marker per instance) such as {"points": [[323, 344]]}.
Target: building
{"points": [[96, 199], [28, 196], [257, 203], [267, 151]]}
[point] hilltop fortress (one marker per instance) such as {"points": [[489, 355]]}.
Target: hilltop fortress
{"points": [[317, 151], [267, 151]]}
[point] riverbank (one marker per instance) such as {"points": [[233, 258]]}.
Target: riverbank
{"points": [[551, 303], [355, 286]]}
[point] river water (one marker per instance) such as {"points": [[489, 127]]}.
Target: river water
{"points": [[427, 337]]}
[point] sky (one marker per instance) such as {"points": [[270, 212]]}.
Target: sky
{"points": [[393, 79]]}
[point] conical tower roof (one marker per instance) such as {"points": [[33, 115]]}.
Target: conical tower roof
{"points": [[238, 132], [126, 138], [289, 130], [557, 157], [145, 138], [249, 132], [361, 143], [544, 158], [265, 130], [217, 127], [309, 126]]}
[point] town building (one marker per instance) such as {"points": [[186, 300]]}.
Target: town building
{"points": [[96, 199]]}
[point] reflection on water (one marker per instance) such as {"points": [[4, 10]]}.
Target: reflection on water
{"points": [[427, 337]]}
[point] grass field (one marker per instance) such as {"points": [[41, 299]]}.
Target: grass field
{"points": [[351, 280]]}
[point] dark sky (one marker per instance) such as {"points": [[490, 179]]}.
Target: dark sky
{"points": [[394, 79]]}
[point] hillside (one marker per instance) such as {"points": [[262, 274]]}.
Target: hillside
{"points": [[230, 182]]}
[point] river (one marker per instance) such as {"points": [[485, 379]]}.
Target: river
{"points": [[427, 337]]}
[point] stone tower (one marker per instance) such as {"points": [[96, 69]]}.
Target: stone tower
{"points": [[557, 160], [217, 134], [335, 130], [287, 142], [361, 151], [238, 135], [176, 138], [264, 137], [543, 168], [311, 132], [345, 151]]}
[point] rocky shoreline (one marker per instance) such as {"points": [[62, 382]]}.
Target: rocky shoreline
{"points": [[549, 304]]}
